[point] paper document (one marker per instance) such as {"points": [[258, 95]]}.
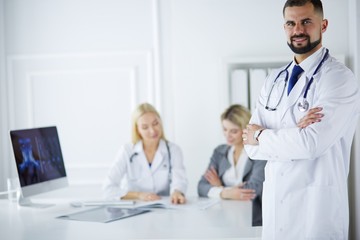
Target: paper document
{"points": [[102, 203], [195, 203]]}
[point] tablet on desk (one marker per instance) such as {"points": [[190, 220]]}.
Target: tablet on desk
{"points": [[103, 214]]}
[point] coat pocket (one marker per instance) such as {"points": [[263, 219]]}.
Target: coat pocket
{"points": [[325, 213]]}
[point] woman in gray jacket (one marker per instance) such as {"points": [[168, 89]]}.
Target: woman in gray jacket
{"points": [[231, 174]]}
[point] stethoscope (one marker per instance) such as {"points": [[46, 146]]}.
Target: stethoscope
{"points": [[303, 105], [169, 159]]}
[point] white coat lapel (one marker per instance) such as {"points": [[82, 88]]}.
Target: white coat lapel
{"points": [[140, 150], [289, 101], [160, 156], [158, 159], [296, 92]]}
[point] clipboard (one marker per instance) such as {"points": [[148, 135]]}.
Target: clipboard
{"points": [[103, 214]]}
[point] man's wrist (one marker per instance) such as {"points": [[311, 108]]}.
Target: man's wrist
{"points": [[257, 134]]}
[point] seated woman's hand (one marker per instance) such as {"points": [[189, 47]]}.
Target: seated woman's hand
{"points": [[145, 196], [212, 177], [177, 197], [237, 193]]}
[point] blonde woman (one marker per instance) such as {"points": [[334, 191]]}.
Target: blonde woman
{"points": [[231, 174], [150, 166]]}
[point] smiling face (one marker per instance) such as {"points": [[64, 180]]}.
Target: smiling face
{"points": [[232, 133], [304, 28], [149, 127]]}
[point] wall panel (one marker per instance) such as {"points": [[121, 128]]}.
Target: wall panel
{"points": [[89, 97]]}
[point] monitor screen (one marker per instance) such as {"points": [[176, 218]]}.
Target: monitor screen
{"points": [[39, 160]]}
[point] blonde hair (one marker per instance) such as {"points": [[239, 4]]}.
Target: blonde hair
{"points": [[238, 115], [138, 112]]}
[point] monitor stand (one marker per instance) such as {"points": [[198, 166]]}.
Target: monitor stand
{"points": [[26, 202]]}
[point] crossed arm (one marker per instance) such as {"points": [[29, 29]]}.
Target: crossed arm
{"points": [[235, 192], [314, 115]]}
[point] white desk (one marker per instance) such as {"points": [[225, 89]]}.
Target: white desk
{"points": [[225, 220]]}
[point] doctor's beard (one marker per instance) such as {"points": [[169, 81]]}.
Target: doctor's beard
{"points": [[301, 50]]}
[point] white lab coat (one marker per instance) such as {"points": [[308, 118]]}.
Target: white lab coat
{"points": [[131, 171], [305, 190]]}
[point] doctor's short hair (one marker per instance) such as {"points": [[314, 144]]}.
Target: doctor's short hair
{"points": [[237, 114], [318, 7], [138, 112]]}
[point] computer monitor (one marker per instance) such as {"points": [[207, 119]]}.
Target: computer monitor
{"points": [[39, 162]]}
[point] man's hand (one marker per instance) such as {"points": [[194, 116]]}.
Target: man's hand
{"points": [[312, 116], [248, 134]]}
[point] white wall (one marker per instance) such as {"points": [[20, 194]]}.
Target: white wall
{"points": [[169, 52], [83, 66], [4, 145], [354, 178]]}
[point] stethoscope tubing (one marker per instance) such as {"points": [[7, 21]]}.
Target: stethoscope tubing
{"points": [[307, 88], [273, 85], [315, 72], [169, 159]]}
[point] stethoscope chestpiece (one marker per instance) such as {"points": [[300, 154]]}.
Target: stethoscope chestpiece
{"points": [[303, 105]]}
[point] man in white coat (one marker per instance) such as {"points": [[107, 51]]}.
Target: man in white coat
{"points": [[305, 190]]}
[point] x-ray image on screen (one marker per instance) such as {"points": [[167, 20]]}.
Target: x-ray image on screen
{"points": [[38, 155], [39, 162]]}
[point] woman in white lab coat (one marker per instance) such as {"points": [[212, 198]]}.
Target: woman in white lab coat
{"points": [[150, 166]]}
